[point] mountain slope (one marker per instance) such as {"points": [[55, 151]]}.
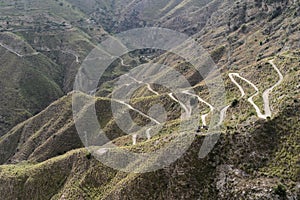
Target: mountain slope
{"points": [[40, 54], [27, 88], [76, 175]]}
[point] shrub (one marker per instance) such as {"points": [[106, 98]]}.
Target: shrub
{"points": [[244, 28], [252, 113], [280, 190], [218, 53], [88, 155], [234, 103]]}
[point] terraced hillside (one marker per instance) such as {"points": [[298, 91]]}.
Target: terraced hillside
{"points": [[256, 47], [40, 52]]}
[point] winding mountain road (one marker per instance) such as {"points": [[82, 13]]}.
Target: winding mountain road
{"points": [[141, 82], [16, 53], [203, 117], [134, 136], [187, 108], [148, 133], [72, 53], [268, 91], [136, 110], [122, 62], [265, 95], [223, 115]]}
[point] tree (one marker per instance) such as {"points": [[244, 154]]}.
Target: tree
{"points": [[234, 103]]}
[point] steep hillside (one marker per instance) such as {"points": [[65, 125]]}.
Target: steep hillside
{"points": [[29, 81], [241, 165], [40, 54]]}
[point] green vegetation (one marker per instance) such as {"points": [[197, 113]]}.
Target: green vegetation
{"points": [[218, 53], [280, 190]]}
